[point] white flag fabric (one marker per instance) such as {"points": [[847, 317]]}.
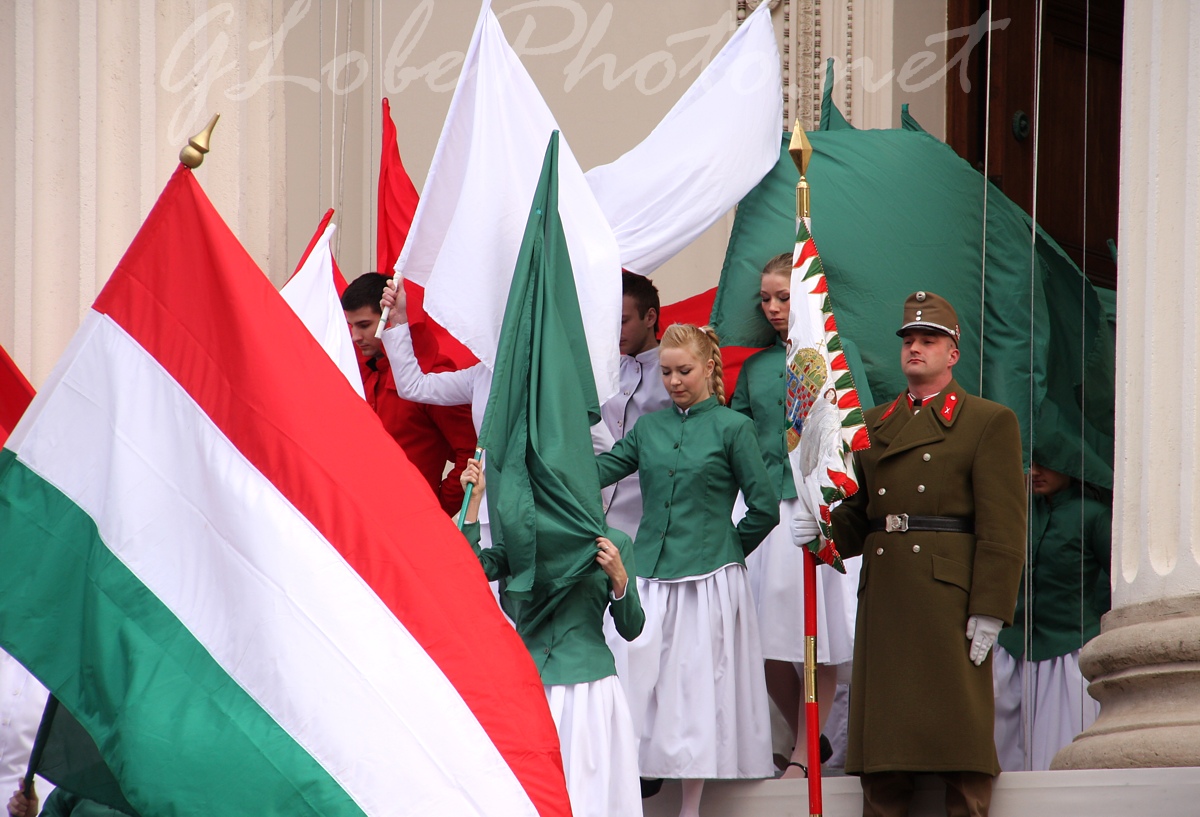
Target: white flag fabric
{"points": [[467, 229], [313, 297], [718, 141]]}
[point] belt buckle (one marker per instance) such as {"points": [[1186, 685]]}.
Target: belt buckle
{"points": [[896, 523]]}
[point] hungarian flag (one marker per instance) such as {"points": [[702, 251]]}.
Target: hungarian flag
{"points": [[199, 567], [314, 293], [825, 420], [435, 348], [543, 496]]}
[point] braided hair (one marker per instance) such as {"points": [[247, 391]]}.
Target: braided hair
{"points": [[703, 342]]}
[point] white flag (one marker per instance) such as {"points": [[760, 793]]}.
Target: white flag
{"points": [[718, 141], [313, 297], [468, 227]]}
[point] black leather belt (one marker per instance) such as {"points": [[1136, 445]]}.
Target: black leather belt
{"points": [[901, 522]]}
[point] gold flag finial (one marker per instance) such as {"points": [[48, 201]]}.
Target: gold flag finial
{"points": [[801, 150], [193, 152]]}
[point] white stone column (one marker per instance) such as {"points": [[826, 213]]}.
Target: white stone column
{"points": [[97, 96], [1145, 665]]}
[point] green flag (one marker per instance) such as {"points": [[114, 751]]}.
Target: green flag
{"points": [[898, 210], [65, 754], [543, 488]]}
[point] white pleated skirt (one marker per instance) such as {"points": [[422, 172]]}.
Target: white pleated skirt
{"points": [[1040, 707], [599, 748], [776, 569], [695, 681]]}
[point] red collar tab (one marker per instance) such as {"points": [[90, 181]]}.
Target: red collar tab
{"points": [[949, 407], [890, 409]]}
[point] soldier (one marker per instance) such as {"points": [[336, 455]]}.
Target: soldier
{"points": [[940, 523]]}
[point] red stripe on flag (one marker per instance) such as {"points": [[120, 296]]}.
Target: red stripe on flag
{"points": [[213, 323], [16, 393]]}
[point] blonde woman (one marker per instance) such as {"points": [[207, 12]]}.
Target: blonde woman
{"points": [[696, 687]]}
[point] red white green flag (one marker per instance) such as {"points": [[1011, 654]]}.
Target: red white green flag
{"points": [[200, 564], [825, 419]]}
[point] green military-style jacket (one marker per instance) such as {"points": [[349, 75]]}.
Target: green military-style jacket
{"points": [[691, 466], [760, 395], [568, 645], [1069, 562], [917, 702]]}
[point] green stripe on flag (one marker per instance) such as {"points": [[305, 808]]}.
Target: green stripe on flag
{"points": [[170, 722]]}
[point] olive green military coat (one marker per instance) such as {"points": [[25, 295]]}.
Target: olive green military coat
{"points": [[917, 703]]}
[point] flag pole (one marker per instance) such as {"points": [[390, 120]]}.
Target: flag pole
{"points": [[193, 152], [398, 282], [801, 151], [462, 514], [39, 743]]}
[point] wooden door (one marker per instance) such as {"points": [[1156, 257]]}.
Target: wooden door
{"points": [[1057, 139]]}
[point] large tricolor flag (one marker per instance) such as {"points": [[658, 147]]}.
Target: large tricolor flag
{"points": [[312, 292], [825, 420], [709, 151], [467, 230], [199, 567]]}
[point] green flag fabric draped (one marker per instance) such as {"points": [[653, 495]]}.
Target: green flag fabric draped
{"points": [[898, 210], [543, 490]]}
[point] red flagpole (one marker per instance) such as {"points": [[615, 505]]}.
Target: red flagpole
{"points": [[811, 710]]}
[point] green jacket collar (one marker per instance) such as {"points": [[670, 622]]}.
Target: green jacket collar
{"points": [[697, 408]]}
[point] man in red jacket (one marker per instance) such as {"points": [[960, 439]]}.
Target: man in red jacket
{"points": [[431, 436]]}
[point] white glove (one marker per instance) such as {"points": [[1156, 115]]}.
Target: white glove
{"points": [[982, 630], [804, 529]]}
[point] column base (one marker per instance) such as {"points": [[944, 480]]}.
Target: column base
{"points": [[1144, 669]]}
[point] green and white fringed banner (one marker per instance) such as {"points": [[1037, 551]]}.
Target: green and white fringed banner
{"points": [[825, 419]]}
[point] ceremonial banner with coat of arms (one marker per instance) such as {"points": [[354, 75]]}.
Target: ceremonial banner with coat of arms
{"points": [[825, 419]]}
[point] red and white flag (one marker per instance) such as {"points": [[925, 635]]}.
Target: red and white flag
{"points": [[201, 567], [314, 293], [436, 349]]}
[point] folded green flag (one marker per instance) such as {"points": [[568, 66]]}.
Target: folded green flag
{"points": [[543, 487]]}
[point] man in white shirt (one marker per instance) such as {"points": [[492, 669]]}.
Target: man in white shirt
{"points": [[641, 392]]}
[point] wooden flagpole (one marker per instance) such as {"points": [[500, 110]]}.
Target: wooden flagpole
{"points": [[801, 151]]}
